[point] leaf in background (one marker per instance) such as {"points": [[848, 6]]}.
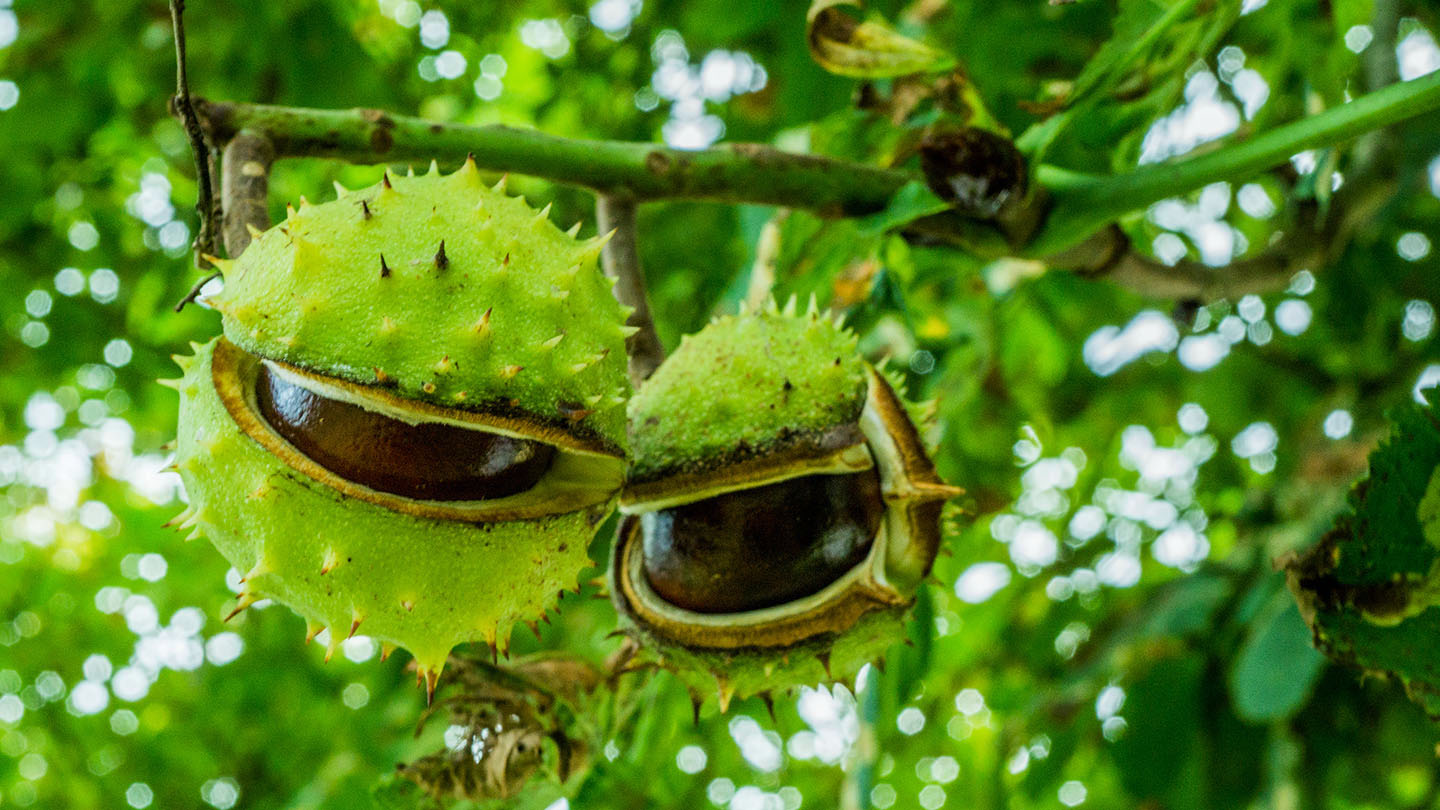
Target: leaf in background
{"points": [[1187, 607], [1277, 668], [1369, 588], [1138, 25], [1234, 756], [1157, 756], [912, 663], [393, 793], [1129, 81], [1135, 25], [865, 50], [913, 201]]}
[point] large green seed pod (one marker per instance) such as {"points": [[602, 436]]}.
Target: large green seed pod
{"points": [[780, 509], [414, 421]]}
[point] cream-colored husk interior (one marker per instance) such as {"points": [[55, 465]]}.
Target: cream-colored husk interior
{"points": [[853, 459], [348, 394]]}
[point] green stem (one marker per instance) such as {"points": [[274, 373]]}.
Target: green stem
{"points": [[1084, 203], [731, 173]]}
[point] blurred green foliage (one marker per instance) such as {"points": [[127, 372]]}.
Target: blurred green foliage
{"points": [[1106, 628]]}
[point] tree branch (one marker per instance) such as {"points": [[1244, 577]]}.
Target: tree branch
{"points": [[195, 290], [1381, 67], [1378, 153], [621, 260], [732, 173], [1310, 242], [1084, 206]]}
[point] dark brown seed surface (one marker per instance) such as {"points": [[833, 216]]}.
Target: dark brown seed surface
{"points": [[426, 461], [762, 547]]}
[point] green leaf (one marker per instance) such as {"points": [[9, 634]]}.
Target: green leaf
{"points": [[1138, 26], [393, 793], [1277, 668], [912, 663], [1370, 587], [1157, 755], [1429, 511], [913, 201], [1187, 608], [865, 50]]}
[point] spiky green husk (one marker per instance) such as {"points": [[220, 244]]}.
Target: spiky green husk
{"points": [[513, 314], [924, 414], [728, 675], [745, 386], [424, 585], [700, 407]]}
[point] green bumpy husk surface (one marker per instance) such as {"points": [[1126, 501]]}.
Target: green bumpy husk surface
{"points": [[511, 315], [424, 585], [699, 408], [744, 673]]}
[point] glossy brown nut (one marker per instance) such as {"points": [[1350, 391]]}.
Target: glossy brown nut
{"points": [[762, 547], [428, 461]]}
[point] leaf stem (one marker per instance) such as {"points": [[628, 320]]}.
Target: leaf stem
{"points": [[1084, 203]]}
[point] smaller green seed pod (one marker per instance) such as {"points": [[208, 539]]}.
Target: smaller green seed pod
{"points": [[415, 418], [780, 509]]}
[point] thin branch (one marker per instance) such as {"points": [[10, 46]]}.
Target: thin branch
{"points": [[245, 188], [1311, 242], [183, 106], [621, 259], [195, 290], [1193, 281], [1188, 280]]}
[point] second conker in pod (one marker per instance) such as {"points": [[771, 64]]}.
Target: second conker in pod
{"points": [[780, 508]]}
